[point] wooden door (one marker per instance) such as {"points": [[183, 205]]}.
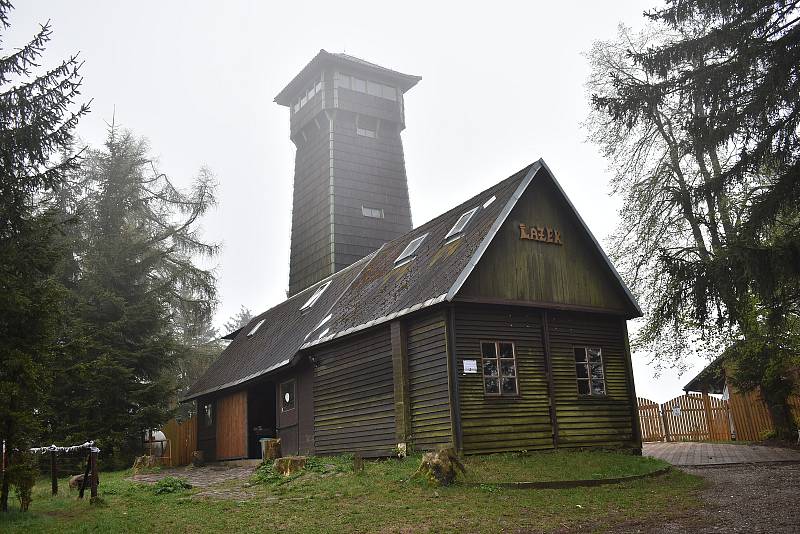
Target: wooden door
{"points": [[232, 426]]}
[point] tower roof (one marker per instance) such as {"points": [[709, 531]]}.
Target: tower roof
{"points": [[353, 64]]}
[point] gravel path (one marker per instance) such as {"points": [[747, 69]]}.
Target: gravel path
{"points": [[740, 498]]}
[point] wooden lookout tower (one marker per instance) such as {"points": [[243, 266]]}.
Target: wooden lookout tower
{"points": [[350, 188]]}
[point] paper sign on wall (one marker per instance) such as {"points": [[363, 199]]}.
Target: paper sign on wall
{"points": [[470, 367], [676, 411]]}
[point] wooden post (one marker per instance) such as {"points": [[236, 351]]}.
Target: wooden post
{"points": [[93, 460], [53, 474], [663, 410], [707, 409], [551, 391], [85, 475], [402, 404]]}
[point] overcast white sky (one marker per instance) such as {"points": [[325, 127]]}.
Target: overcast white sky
{"points": [[502, 85]]}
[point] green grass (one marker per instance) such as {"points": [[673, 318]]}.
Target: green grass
{"points": [[560, 465], [329, 497]]}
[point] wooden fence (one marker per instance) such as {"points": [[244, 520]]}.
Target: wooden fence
{"points": [[182, 438], [696, 417]]}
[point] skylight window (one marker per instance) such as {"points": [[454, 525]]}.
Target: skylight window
{"points": [[408, 253], [461, 223], [256, 327], [489, 202], [315, 297]]}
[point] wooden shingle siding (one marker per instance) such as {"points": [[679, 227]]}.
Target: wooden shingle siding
{"points": [[354, 396], [585, 421], [493, 424], [231, 423], [428, 385]]}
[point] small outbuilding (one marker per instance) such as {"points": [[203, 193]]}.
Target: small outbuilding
{"points": [[497, 326]]}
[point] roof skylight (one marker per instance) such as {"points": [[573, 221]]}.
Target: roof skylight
{"points": [[489, 202], [461, 223], [315, 297], [408, 252], [256, 327]]}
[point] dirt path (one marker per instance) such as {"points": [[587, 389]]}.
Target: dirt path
{"points": [[740, 498]]}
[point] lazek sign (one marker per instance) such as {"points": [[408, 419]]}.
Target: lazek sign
{"points": [[540, 233]]}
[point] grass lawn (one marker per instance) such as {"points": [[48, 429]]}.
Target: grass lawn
{"points": [[331, 498]]}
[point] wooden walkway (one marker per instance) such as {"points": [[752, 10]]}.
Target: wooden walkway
{"points": [[698, 454]]}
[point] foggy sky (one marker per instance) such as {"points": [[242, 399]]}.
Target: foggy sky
{"points": [[502, 85]]}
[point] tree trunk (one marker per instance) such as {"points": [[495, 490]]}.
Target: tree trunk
{"points": [[782, 419]]}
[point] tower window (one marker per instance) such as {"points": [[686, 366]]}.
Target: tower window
{"points": [[367, 127], [389, 93], [461, 223], [365, 132], [317, 294], [408, 253], [375, 213], [373, 88], [359, 85]]}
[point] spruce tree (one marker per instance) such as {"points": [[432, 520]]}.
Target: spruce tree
{"points": [[138, 296], [700, 118], [37, 119]]}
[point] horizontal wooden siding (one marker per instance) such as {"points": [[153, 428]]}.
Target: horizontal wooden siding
{"points": [[589, 421], [428, 385], [354, 397], [492, 424]]}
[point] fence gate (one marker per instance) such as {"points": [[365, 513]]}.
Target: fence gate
{"points": [[690, 417], [650, 420]]}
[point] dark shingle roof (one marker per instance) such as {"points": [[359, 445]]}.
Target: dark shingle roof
{"points": [[373, 290]]}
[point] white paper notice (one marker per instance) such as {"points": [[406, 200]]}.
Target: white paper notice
{"points": [[470, 367]]}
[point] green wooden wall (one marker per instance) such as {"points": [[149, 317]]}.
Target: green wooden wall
{"points": [[493, 424], [585, 421], [354, 396], [429, 393], [572, 274]]}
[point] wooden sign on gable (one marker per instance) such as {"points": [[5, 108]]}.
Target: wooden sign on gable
{"points": [[545, 234]]}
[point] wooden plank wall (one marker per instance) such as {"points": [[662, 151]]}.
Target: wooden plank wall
{"points": [[182, 438], [354, 396], [589, 421], [429, 393], [751, 417], [503, 423], [231, 419]]}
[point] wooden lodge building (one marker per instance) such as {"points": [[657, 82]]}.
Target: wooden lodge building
{"points": [[499, 325]]}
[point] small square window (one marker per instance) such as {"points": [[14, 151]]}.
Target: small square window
{"points": [[499, 368], [287, 396], [373, 88], [359, 85], [589, 371]]}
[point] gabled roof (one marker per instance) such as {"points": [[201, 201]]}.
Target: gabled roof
{"points": [[354, 64], [374, 291]]}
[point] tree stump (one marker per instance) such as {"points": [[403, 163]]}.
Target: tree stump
{"points": [[289, 465], [270, 448], [144, 462], [440, 467], [198, 459]]}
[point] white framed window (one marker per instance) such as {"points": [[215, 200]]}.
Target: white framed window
{"points": [[408, 252], [255, 328], [365, 132], [315, 297], [461, 223], [375, 213], [589, 371], [499, 363]]}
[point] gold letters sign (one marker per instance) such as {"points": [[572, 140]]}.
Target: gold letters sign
{"points": [[540, 233]]}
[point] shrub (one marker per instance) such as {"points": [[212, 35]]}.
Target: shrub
{"points": [[171, 485], [22, 473]]}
